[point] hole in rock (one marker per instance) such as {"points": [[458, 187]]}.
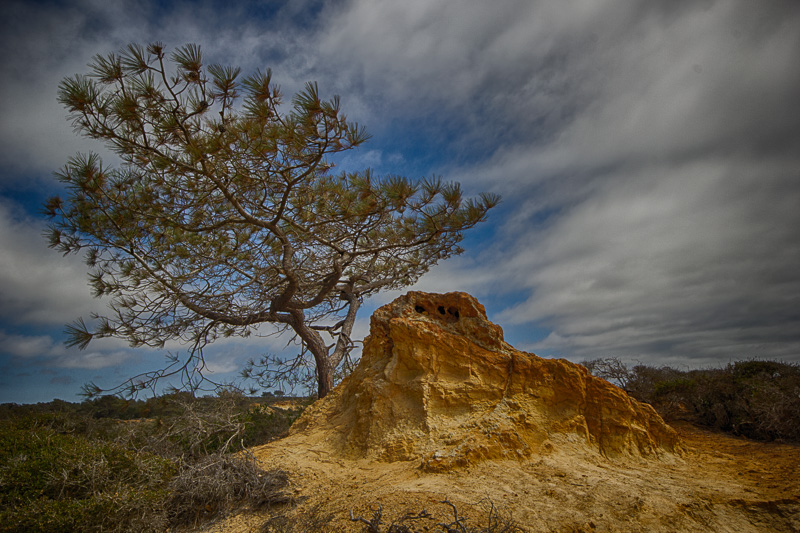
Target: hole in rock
{"points": [[453, 311], [441, 309], [419, 309]]}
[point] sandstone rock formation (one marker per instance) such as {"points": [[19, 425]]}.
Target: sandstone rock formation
{"points": [[438, 384], [442, 408]]}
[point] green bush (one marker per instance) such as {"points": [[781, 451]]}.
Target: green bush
{"points": [[65, 468], [57, 482], [263, 424], [756, 399]]}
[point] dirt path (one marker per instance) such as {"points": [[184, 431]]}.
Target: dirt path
{"points": [[720, 484]]}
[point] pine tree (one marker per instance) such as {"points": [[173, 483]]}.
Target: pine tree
{"points": [[224, 213]]}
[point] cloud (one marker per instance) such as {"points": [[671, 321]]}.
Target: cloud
{"points": [[573, 86], [430, 66], [648, 164], [27, 346], [646, 155], [694, 261], [94, 360], [662, 221], [27, 349], [222, 367], [700, 82], [39, 285], [43, 46]]}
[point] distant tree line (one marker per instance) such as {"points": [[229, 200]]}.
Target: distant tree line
{"points": [[112, 406]]}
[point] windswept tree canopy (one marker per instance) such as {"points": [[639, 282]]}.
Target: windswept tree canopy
{"points": [[225, 214]]}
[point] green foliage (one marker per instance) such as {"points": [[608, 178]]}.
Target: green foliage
{"points": [[264, 424], [225, 213], [673, 387], [57, 482], [80, 467], [756, 399]]}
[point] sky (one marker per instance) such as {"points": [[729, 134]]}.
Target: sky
{"points": [[647, 153]]}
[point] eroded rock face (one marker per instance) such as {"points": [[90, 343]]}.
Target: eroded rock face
{"points": [[437, 383]]}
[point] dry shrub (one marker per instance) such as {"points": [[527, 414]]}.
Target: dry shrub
{"points": [[215, 474], [219, 483]]}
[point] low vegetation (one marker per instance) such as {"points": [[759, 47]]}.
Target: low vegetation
{"points": [[167, 463], [755, 399], [115, 465], [177, 461]]}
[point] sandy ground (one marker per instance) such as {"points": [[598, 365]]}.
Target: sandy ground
{"points": [[720, 484]]}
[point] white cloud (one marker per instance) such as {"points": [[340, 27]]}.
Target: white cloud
{"points": [[56, 354], [26, 346], [43, 46], [39, 286], [690, 260], [222, 367], [94, 360]]}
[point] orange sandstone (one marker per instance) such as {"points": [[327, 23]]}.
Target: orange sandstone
{"points": [[438, 384]]}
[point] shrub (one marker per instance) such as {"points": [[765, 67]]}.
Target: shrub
{"points": [[73, 471], [756, 399], [216, 484], [263, 423], [56, 482]]}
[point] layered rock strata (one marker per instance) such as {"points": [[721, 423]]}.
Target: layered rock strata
{"points": [[438, 384]]}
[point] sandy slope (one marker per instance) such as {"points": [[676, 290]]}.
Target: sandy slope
{"points": [[441, 407], [721, 484]]}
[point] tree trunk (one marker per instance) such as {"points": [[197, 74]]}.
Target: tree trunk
{"points": [[324, 376], [344, 343], [316, 345]]}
